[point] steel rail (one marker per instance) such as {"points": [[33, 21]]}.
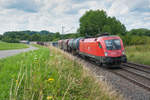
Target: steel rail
{"points": [[140, 84], [137, 67], [129, 71]]}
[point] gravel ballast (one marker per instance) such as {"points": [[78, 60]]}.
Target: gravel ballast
{"points": [[129, 90]]}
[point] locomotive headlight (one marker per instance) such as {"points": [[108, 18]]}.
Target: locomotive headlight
{"points": [[123, 52], [106, 54]]}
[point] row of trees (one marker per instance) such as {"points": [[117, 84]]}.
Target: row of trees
{"points": [[16, 36], [135, 40], [129, 38], [139, 32]]}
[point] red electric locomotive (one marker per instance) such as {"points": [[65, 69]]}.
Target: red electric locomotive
{"points": [[107, 50]]}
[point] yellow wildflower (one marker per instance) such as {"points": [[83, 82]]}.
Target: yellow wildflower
{"points": [[50, 79], [17, 82], [49, 97]]}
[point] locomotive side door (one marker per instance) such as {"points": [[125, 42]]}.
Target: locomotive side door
{"points": [[100, 51]]}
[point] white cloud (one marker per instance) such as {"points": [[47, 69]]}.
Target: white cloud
{"points": [[52, 14]]}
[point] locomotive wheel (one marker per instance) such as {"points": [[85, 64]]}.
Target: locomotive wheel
{"points": [[113, 66], [99, 63]]}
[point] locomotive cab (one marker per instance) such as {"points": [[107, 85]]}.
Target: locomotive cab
{"points": [[114, 52]]}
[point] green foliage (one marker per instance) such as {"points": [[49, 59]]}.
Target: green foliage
{"points": [[36, 37], [71, 35], [10, 40], [96, 22], [136, 37], [138, 54], [10, 68], [1, 37], [135, 40], [16, 36], [8, 46], [44, 36], [139, 32]]}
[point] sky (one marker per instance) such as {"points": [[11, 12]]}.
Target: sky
{"points": [[51, 15]]}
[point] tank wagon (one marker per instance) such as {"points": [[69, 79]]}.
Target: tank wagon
{"points": [[40, 43], [65, 45], [107, 49], [70, 47], [60, 44], [54, 44]]}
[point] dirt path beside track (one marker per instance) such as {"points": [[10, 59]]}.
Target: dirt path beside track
{"points": [[7, 53]]}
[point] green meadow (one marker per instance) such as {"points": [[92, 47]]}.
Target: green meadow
{"points": [[138, 54], [9, 46], [49, 74]]}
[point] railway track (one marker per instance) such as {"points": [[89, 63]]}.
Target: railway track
{"points": [[135, 73], [138, 74], [140, 67]]}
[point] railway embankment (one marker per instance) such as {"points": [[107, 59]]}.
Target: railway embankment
{"points": [[49, 73]]}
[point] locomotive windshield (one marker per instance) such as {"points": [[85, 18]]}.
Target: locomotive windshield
{"points": [[113, 44]]}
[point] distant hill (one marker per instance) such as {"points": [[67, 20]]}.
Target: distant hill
{"points": [[43, 32], [16, 36]]}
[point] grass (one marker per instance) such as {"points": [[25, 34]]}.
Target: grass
{"points": [[49, 74], [9, 46], [138, 54]]}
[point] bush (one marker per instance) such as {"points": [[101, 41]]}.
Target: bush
{"points": [[0, 37], [135, 40], [10, 40]]}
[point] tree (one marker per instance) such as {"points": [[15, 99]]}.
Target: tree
{"points": [[36, 37], [96, 22], [25, 37], [115, 26], [1, 37], [57, 35], [10, 40], [106, 28]]}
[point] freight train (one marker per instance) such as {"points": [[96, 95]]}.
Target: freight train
{"points": [[104, 50]]}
